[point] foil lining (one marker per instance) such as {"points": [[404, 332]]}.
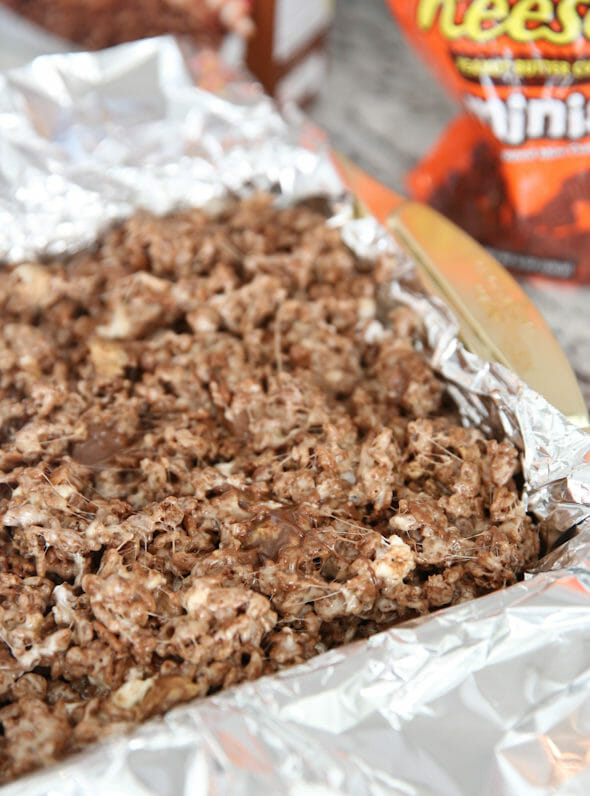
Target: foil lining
{"points": [[87, 138], [488, 697], [22, 41]]}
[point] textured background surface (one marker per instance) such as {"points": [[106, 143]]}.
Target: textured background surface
{"points": [[383, 109]]}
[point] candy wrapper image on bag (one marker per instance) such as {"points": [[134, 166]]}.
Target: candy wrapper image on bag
{"points": [[125, 131], [514, 170]]}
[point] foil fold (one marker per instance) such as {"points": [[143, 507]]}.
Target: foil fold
{"points": [[490, 696]]}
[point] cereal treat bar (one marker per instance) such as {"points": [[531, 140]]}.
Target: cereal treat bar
{"points": [[95, 24], [222, 452]]}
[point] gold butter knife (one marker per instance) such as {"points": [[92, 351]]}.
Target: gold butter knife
{"points": [[497, 320]]}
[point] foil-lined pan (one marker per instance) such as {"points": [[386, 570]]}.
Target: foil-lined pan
{"points": [[491, 696]]}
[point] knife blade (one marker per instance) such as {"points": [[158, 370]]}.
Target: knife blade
{"points": [[497, 320]]}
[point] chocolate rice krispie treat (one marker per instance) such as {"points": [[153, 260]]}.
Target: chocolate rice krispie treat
{"points": [[222, 452], [95, 24]]}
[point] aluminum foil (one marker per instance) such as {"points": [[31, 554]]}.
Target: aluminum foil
{"points": [[22, 41], [488, 697], [86, 138]]}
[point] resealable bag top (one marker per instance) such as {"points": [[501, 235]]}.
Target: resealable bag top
{"points": [[514, 168]]}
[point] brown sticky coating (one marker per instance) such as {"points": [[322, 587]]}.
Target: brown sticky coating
{"points": [[95, 24], [222, 453]]}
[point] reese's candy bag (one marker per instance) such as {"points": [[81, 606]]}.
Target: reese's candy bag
{"points": [[514, 169]]}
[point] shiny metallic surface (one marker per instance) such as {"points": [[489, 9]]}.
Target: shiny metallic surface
{"points": [[85, 138], [487, 697]]}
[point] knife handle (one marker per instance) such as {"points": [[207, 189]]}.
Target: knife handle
{"points": [[383, 200]]}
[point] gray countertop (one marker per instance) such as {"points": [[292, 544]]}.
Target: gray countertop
{"points": [[383, 109]]}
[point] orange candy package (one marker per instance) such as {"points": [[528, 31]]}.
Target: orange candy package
{"points": [[514, 169]]}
